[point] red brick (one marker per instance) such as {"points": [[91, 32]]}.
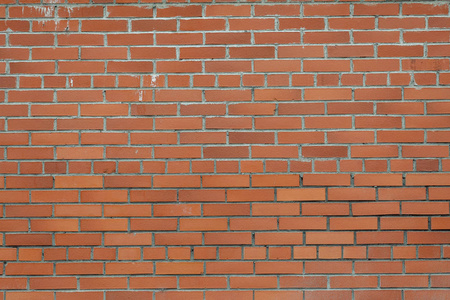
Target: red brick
{"points": [[376, 37], [327, 238], [300, 51], [334, 37], [273, 267], [425, 36], [326, 179], [387, 9], [424, 9], [383, 208], [353, 282], [326, 10], [350, 51], [425, 294]]}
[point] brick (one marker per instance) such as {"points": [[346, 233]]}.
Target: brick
{"points": [[225, 181], [327, 10], [428, 238], [227, 238], [43, 39], [78, 181], [300, 51], [300, 108], [439, 281], [276, 38], [328, 94], [286, 209], [439, 223], [203, 225], [129, 67], [310, 194], [436, 266], [336, 37], [352, 23], [326, 179], [285, 238], [313, 209], [240, 224], [412, 294], [327, 238], [261, 295], [13, 283], [154, 281], [302, 281], [252, 24], [277, 66], [404, 23], [209, 282], [179, 295], [175, 39], [229, 268], [324, 151], [271, 267], [102, 283], [154, 52], [360, 223], [227, 38], [129, 39], [194, 52], [225, 152], [371, 294], [32, 68], [384, 208], [29, 295], [324, 122], [438, 22], [375, 267], [253, 282], [122, 239], [77, 239], [376, 37], [115, 295], [353, 282], [374, 151], [404, 281], [200, 25], [383, 9], [191, 11], [323, 267], [399, 51], [350, 137], [297, 23], [351, 51], [275, 180], [425, 64], [28, 269], [392, 237], [424, 9], [426, 179]]}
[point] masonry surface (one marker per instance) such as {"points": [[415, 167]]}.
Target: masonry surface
{"points": [[224, 150]]}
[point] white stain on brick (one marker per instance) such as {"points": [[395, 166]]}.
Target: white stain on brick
{"points": [[47, 11], [154, 77]]}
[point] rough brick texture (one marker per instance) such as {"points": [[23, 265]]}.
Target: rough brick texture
{"points": [[224, 150]]}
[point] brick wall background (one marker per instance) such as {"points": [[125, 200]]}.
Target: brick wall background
{"points": [[224, 150]]}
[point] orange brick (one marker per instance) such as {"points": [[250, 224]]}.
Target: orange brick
{"points": [[327, 238], [353, 282]]}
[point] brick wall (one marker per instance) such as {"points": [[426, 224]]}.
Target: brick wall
{"points": [[276, 150]]}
